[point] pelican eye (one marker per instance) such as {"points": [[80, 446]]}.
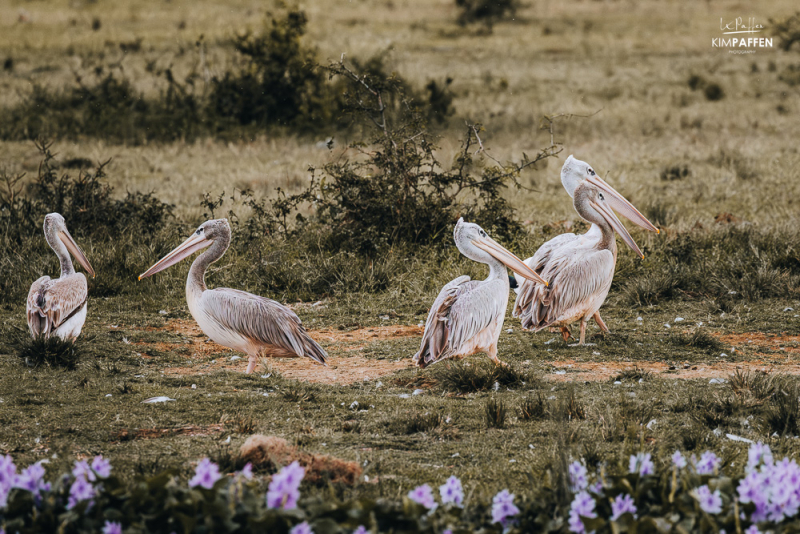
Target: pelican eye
{"points": [[591, 172], [483, 234], [601, 196], [199, 231]]}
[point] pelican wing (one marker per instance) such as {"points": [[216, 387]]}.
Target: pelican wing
{"points": [[52, 302], [262, 320], [576, 272], [463, 309]]}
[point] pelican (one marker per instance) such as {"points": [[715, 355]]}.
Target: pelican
{"points": [[242, 321], [580, 267], [467, 316], [59, 306]]}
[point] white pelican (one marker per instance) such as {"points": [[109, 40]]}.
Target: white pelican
{"points": [[242, 321], [467, 316], [580, 268], [59, 306]]}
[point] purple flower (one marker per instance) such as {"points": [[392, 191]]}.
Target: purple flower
{"points": [[597, 487], [503, 508], [302, 528], [757, 454], [623, 504], [679, 460], [752, 530], [82, 469], [578, 479], [710, 503], [101, 466], [642, 464], [81, 490], [8, 475], [582, 506], [284, 489], [708, 463], [112, 528], [423, 495], [452, 491], [205, 474], [362, 530], [246, 472], [32, 479]]}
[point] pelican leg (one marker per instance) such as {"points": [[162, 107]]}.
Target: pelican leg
{"points": [[601, 323], [582, 341], [251, 364], [493, 355]]}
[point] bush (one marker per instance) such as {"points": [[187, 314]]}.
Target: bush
{"points": [[487, 12], [465, 377], [50, 351]]}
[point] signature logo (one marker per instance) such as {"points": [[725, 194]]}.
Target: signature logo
{"points": [[744, 44], [738, 25]]}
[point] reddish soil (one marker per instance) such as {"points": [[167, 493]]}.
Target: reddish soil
{"points": [[770, 353]]}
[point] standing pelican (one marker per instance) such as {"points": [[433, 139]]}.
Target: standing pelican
{"points": [[580, 267], [242, 321], [59, 306], [467, 316]]}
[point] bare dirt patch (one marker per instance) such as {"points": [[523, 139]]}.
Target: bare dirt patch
{"points": [[340, 369], [779, 360]]}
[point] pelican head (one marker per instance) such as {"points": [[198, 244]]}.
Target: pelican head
{"points": [[474, 243], [599, 198], [205, 235], [60, 240]]}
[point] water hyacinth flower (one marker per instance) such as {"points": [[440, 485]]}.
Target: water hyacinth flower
{"points": [[679, 460], [284, 489], [452, 492], [362, 530], [246, 472], [112, 528], [302, 528], [757, 454], [710, 503], [774, 489], [82, 470], [503, 508], [642, 464], [8, 474], [32, 479], [80, 490], [708, 464], [623, 504], [582, 506], [752, 530], [578, 477], [205, 474], [101, 466], [423, 495]]}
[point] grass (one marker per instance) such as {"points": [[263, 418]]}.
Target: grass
{"points": [[727, 256]]}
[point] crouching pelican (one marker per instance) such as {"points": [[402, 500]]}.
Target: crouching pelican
{"points": [[59, 306], [580, 267], [467, 316], [242, 321]]}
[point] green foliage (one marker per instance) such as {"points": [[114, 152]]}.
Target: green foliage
{"points": [[698, 339], [534, 408], [50, 351], [487, 12], [633, 375], [469, 377], [495, 413], [415, 422]]}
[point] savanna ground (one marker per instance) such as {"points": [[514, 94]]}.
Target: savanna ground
{"points": [[717, 295]]}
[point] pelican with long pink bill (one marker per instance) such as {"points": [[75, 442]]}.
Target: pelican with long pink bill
{"points": [[247, 323], [467, 316], [58, 307], [580, 268]]}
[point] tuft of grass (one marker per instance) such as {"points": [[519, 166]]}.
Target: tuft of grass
{"points": [[532, 409], [784, 416], [753, 387], [634, 375], [416, 422], [466, 377], [51, 351], [570, 408], [699, 339], [495, 413]]}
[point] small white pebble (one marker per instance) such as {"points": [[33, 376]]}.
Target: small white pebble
{"points": [[788, 309], [560, 372], [404, 395], [512, 461], [455, 455], [366, 478], [723, 355], [678, 319], [162, 312], [234, 358], [548, 342], [379, 384], [531, 446], [717, 381], [265, 394], [354, 405], [108, 395], [617, 382], [666, 325], [596, 353], [639, 319], [509, 330], [418, 392]]}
